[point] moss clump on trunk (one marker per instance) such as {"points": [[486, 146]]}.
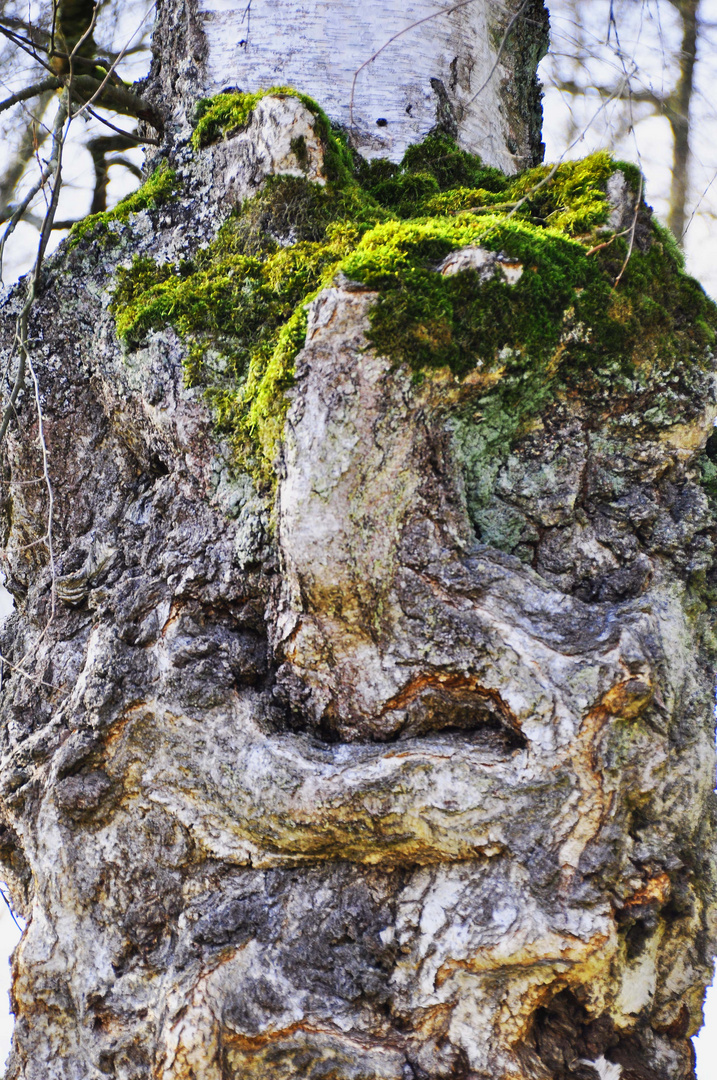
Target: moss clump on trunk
{"points": [[226, 114], [562, 326], [159, 188]]}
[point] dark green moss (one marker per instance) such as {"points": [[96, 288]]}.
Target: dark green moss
{"points": [[434, 166], [562, 328], [159, 188]]}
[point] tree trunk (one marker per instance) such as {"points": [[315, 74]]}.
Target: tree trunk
{"points": [[360, 725], [386, 70], [679, 115]]}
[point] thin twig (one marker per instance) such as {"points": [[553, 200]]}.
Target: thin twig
{"points": [[48, 484], [697, 207], [411, 26], [21, 671], [138, 138], [19, 212], [599, 247], [22, 483]]}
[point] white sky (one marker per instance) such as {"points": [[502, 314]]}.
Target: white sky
{"points": [[648, 33]]}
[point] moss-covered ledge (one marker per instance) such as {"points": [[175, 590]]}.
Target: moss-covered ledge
{"points": [[159, 188], [600, 310]]}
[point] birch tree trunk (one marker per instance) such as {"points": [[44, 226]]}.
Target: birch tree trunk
{"points": [[385, 69], [393, 757]]}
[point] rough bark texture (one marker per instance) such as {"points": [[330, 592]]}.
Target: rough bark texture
{"points": [[327, 783]]}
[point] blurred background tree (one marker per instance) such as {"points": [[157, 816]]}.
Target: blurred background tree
{"points": [[100, 49], [640, 77]]}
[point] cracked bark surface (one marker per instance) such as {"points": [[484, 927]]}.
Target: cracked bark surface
{"points": [[332, 786]]}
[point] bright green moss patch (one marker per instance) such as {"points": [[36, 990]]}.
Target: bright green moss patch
{"points": [[225, 114], [543, 320], [244, 297], [426, 319], [159, 188], [574, 200]]}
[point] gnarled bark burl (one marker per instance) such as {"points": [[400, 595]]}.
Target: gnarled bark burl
{"points": [[371, 735]]}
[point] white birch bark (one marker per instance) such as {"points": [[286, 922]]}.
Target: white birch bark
{"points": [[383, 69]]}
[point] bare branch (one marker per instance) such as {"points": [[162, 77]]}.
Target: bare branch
{"points": [[52, 83]]}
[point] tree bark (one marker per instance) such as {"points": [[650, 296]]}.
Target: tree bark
{"points": [[412, 64], [402, 765]]}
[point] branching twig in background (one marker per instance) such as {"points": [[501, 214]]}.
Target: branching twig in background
{"points": [[47, 172], [33, 136], [113, 65], [53, 169], [31, 51], [698, 204]]}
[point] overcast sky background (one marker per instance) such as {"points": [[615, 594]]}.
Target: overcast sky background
{"points": [[649, 37]]}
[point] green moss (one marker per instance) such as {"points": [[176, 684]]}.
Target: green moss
{"points": [[245, 297], [159, 188], [561, 329], [225, 114], [429, 179], [574, 200]]}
